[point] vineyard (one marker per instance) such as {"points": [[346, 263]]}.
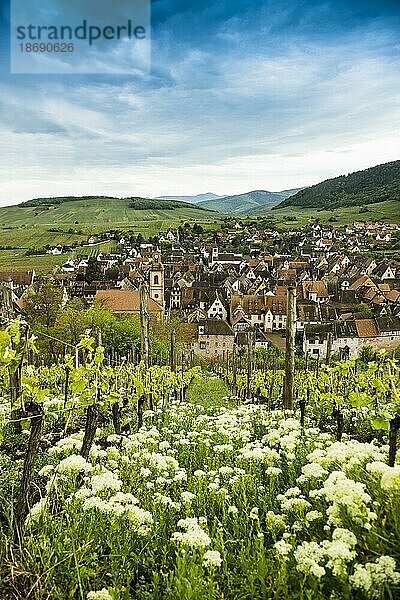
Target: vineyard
{"points": [[122, 480]]}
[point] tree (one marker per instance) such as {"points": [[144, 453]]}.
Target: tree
{"points": [[367, 354], [197, 229], [112, 273], [93, 270], [43, 303], [364, 310]]}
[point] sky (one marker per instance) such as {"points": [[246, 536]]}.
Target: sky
{"points": [[241, 95]]}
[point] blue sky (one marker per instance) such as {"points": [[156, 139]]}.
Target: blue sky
{"points": [[241, 95]]}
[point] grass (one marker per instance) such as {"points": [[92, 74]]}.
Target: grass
{"points": [[18, 260], [383, 211], [209, 390]]}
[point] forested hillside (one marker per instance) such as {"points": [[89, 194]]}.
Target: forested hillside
{"points": [[377, 184]]}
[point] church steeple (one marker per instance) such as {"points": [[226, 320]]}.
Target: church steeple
{"points": [[157, 281]]}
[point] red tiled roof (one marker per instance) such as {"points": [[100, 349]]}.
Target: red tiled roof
{"points": [[127, 301], [366, 328]]}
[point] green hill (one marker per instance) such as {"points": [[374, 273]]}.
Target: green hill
{"points": [[371, 186], [134, 202], [71, 220], [296, 216], [249, 203]]}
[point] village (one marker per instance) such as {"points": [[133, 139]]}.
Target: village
{"points": [[234, 280]]}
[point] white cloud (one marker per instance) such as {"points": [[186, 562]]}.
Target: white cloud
{"points": [[226, 123]]}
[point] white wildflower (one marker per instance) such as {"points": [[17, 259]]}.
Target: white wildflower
{"points": [[372, 577], [187, 497], [254, 513], [390, 481], [193, 536], [74, 464], [283, 547], [308, 556], [313, 515], [105, 481], [103, 594], [348, 497], [38, 509], [46, 471], [212, 558]]}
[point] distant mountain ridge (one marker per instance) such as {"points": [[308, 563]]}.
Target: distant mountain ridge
{"points": [[253, 202], [370, 186], [191, 199]]}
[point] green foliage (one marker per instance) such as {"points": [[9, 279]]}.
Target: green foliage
{"points": [[209, 391], [377, 184], [150, 204], [43, 303], [93, 270], [364, 310], [56, 201]]}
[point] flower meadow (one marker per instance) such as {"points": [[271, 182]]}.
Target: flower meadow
{"points": [[207, 500]]}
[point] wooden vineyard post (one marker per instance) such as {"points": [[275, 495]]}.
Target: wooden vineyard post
{"points": [[144, 323], [90, 430], [393, 433], [339, 423], [92, 417], [182, 391], [6, 302], [15, 377], [172, 351], [250, 352], [234, 371], [329, 348], [302, 405], [140, 410], [288, 389], [67, 372], [35, 412]]}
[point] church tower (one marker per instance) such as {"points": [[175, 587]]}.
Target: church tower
{"points": [[157, 281]]}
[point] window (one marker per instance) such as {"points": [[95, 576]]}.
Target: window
{"points": [[156, 296], [202, 345], [156, 280]]}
